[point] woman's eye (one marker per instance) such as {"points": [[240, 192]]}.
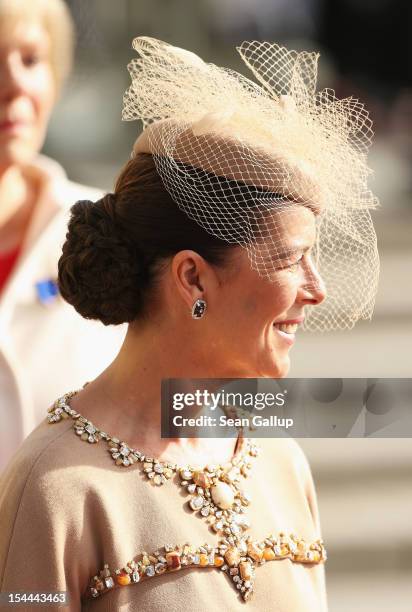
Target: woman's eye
{"points": [[295, 264]]}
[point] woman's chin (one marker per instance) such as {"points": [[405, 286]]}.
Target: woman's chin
{"points": [[280, 369]]}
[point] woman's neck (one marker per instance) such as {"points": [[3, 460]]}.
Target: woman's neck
{"points": [[17, 196], [125, 400]]}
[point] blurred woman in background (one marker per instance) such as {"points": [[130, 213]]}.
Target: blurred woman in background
{"points": [[42, 342]]}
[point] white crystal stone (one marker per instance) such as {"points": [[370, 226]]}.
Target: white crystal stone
{"points": [[196, 502], [223, 495], [109, 582], [233, 474], [186, 475], [135, 577], [242, 521], [242, 547]]}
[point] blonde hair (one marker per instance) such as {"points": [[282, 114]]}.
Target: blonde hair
{"points": [[55, 17]]}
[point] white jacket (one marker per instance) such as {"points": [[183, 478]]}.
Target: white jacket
{"points": [[45, 349]]}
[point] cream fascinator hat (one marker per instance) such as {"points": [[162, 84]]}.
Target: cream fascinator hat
{"points": [[241, 157]]}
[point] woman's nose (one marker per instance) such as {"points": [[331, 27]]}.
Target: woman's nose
{"points": [[313, 289], [11, 79]]}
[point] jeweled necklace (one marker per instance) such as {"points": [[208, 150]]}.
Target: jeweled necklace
{"points": [[216, 494]]}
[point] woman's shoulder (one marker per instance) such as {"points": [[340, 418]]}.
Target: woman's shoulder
{"points": [[284, 450], [65, 191], [291, 461], [48, 512], [51, 462], [289, 458]]}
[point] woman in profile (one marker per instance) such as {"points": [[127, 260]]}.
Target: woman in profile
{"points": [[206, 249], [36, 48]]}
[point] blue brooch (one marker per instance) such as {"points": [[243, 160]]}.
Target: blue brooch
{"points": [[47, 291]]}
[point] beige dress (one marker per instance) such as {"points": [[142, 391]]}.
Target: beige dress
{"points": [[67, 510]]}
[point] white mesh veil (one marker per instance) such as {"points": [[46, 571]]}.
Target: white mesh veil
{"points": [[247, 161]]}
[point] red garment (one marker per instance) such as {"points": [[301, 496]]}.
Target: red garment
{"points": [[7, 261]]}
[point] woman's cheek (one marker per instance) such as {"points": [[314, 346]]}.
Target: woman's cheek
{"points": [[43, 92]]}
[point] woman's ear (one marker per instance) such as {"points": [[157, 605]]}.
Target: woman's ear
{"points": [[193, 276]]}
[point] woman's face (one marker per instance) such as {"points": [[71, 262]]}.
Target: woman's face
{"points": [[252, 321], [27, 91]]}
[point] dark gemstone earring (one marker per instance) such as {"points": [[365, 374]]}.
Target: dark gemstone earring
{"points": [[198, 309]]}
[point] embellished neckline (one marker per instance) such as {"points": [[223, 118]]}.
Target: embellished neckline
{"points": [[216, 495], [216, 492], [125, 455]]}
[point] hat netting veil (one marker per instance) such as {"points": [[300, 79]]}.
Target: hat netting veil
{"points": [[241, 158]]}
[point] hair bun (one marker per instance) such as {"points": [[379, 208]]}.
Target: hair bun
{"points": [[101, 272]]}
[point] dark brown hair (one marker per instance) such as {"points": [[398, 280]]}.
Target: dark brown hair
{"points": [[108, 264]]}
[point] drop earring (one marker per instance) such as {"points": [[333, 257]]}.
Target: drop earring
{"points": [[199, 309]]}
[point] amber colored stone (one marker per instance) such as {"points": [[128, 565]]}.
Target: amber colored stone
{"points": [[123, 579], [203, 560], [245, 570], [316, 556], [232, 556], [173, 560], [99, 585], [219, 561], [201, 480], [254, 551], [269, 554]]}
